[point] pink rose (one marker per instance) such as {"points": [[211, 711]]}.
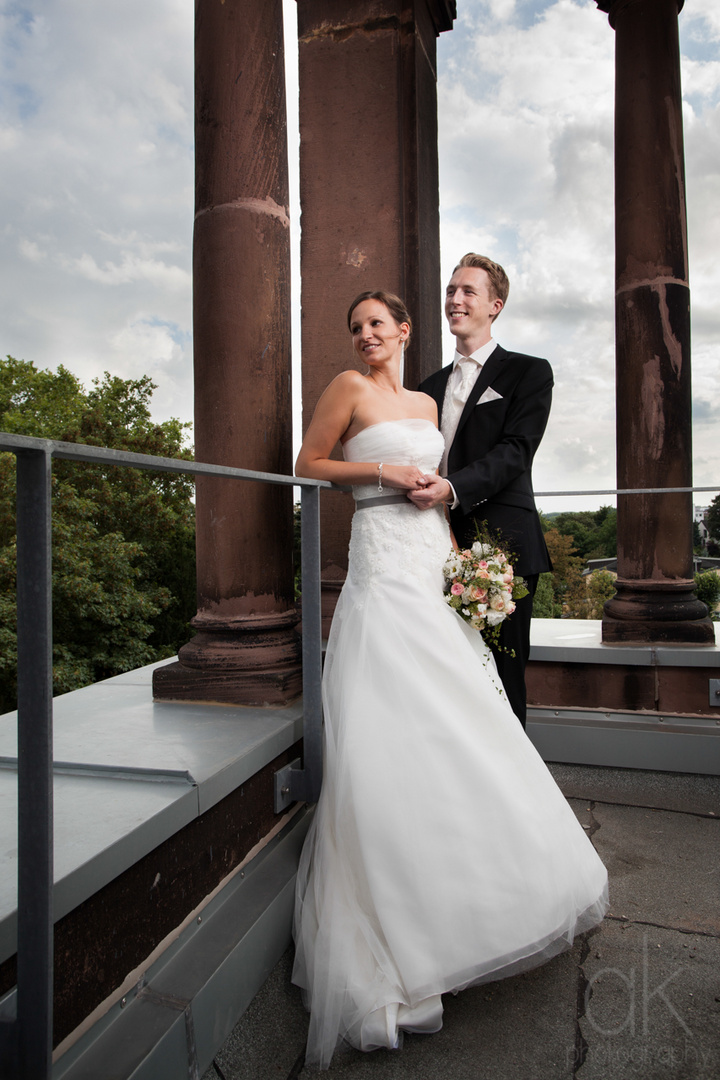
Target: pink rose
{"points": [[510, 608], [497, 603], [508, 576], [483, 563], [483, 574], [456, 588]]}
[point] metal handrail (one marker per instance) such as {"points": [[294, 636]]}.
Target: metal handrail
{"points": [[626, 491], [26, 1039]]}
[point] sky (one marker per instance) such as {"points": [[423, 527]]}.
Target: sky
{"points": [[96, 183]]}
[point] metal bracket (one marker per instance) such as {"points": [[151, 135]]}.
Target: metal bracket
{"points": [[715, 692], [282, 782]]}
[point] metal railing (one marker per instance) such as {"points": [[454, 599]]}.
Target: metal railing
{"points": [[26, 1038]]}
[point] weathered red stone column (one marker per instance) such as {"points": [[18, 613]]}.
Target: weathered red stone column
{"points": [[246, 648], [655, 600], [369, 195]]}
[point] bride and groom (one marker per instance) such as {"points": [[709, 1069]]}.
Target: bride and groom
{"points": [[441, 854]]}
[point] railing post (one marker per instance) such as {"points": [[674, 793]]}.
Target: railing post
{"points": [[35, 764], [311, 642]]}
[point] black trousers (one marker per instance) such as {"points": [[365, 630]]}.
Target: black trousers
{"points": [[515, 637]]}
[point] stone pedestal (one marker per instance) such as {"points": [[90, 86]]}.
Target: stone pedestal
{"points": [[246, 649], [368, 189], [654, 600]]}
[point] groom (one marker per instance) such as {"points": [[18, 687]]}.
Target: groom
{"points": [[493, 407]]}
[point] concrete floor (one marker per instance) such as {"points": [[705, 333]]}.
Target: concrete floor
{"points": [[638, 996]]}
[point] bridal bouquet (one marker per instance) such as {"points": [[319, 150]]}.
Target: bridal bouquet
{"points": [[481, 586]]}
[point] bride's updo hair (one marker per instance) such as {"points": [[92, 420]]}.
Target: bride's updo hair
{"points": [[393, 303]]}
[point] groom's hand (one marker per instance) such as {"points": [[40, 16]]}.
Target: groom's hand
{"points": [[436, 491]]}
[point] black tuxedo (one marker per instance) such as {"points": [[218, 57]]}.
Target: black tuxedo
{"points": [[489, 466]]}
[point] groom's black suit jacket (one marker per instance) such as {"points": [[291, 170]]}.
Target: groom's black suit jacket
{"points": [[490, 460]]}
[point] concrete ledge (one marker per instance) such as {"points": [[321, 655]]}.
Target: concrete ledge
{"points": [[134, 773], [579, 641]]}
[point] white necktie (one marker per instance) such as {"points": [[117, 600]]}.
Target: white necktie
{"points": [[461, 381]]}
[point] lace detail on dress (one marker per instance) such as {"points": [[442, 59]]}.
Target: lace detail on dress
{"points": [[400, 541]]}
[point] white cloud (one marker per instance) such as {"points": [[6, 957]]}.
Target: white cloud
{"points": [[131, 269], [30, 250], [97, 180]]}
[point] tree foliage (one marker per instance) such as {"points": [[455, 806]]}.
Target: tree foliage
{"points": [[712, 519], [566, 592], [123, 539], [707, 588], [568, 585], [593, 532], [544, 606]]}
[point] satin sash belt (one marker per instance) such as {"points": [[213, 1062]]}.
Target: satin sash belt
{"points": [[382, 500]]}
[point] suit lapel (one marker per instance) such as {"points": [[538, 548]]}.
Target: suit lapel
{"points": [[490, 369]]}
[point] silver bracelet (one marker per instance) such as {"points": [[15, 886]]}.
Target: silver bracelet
{"points": [[380, 468]]}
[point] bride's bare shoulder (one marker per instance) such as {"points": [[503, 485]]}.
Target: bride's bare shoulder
{"points": [[350, 378]]}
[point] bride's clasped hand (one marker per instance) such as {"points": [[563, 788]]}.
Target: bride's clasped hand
{"points": [[410, 691]]}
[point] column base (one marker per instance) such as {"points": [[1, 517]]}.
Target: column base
{"points": [[241, 660], [656, 612], [656, 632]]}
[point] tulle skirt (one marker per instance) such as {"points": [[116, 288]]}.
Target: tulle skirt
{"points": [[442, 853]]}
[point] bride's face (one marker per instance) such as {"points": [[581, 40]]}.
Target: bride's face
{"points": [[375, 334]]}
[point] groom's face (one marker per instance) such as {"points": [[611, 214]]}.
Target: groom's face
{"points": [[470, 305]]}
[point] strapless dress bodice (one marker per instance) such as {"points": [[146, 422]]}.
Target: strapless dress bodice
{"points": [[411, 441]]}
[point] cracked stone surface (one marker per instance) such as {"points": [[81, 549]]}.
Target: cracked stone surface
{"points": [[637, 997], [639, 787], [664, 867], [651, 1005]]}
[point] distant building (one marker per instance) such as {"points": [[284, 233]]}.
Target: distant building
{"points": [[699, 513]]}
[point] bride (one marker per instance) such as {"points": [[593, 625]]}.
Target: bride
{"points": [[442, 854]]}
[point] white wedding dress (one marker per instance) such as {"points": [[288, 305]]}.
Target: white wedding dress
{"points": [[442, 853]]}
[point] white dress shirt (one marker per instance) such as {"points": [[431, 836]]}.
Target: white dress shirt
{"points": [[462, 379]]}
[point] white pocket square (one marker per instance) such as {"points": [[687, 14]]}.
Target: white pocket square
{"points": [[489, 395]]}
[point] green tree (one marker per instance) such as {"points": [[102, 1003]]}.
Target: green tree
{"points": [[707, 587], [123, 539], [544, 606], [712, 518], [600, 587], [593, 532], [698, 545], [568, 584]]}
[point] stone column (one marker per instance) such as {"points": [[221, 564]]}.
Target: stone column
{"points": [[246, 648], [369, 195], [655, 599]]}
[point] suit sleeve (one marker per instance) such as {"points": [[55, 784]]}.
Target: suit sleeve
{"points": [[512, 455]]}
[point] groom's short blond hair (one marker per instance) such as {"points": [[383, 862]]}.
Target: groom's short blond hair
{"points": [[498, 278]]}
